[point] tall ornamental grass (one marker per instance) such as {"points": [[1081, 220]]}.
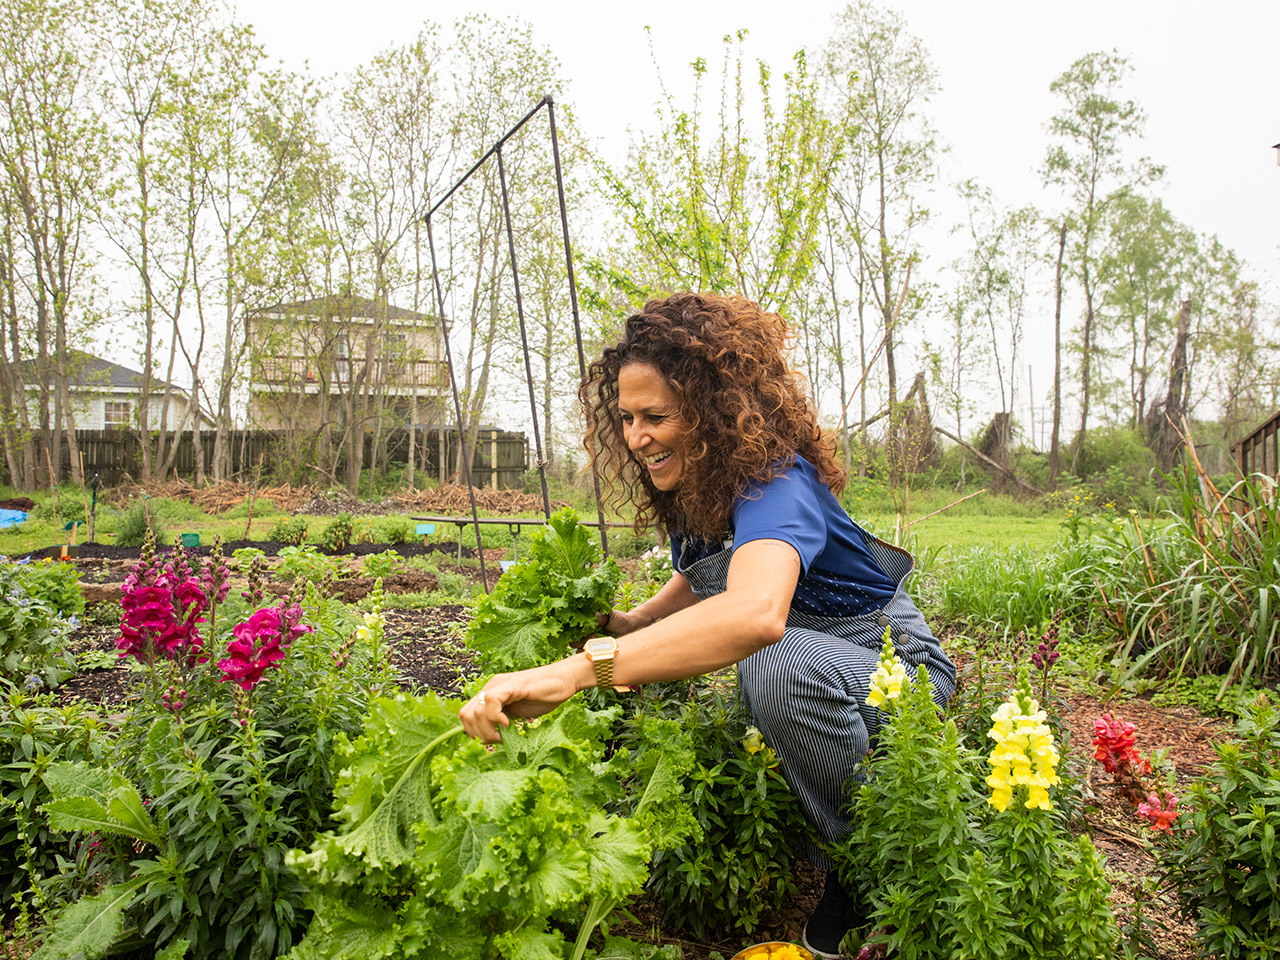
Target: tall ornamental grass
{"points": [[1197, 591]]}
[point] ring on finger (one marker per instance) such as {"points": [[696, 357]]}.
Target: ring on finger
{"points": [[480, 700]]}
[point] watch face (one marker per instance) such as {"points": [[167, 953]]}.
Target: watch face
{"points": [[601, 645]]}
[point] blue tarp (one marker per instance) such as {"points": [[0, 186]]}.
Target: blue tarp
{"points": [[10, 518]]}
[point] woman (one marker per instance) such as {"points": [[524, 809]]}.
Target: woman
{"points": [[710, 437]]}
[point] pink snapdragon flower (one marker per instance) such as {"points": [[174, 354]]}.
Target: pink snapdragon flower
{"points": [[1161, 809], [161, 608], [260, 642]]}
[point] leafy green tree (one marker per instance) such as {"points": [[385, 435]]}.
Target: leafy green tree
{"points": [[734, 208], [1086, 160], [156, 196], [882, 77], [1141, 277], [53, 151]]}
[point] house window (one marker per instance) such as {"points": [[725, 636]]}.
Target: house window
{"points": [[117, 414], [342, 353]]}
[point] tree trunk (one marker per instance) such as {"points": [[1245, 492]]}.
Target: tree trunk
{"points": [[1055, 454], [1163, 422]]}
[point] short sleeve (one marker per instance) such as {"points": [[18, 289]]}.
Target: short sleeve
{"points": [[786, 508]]}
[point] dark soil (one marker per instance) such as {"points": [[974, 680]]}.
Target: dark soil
{"points": [[429, 655]]}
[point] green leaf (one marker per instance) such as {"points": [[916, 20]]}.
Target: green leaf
{"points": [[93, 799], [174, 950], [90, 926], [617, 855]]}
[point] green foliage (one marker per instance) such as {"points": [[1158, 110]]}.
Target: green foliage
{"points": [[546, 602], [1107, 449], [260, 507], [292, 530], [337, 536], [34, 734], [304, 564], [397, 529], [710, 213], [213, 784], [133, 524], [448, 849], [1226, 865], [1017, 886], [242, 559], [382, 564], [740, 865], [1018, 589], [1202, 695], [39, 603]]}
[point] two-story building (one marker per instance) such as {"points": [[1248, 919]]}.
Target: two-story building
{"points": [[314, 361]]}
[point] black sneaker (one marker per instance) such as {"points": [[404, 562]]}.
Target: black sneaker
{"points": [[834, 916]]}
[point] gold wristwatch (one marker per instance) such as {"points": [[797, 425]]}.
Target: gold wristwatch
{"points": [[600, 651]]}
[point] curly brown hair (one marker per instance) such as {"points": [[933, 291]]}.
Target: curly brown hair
{"points": [[747, 411]]}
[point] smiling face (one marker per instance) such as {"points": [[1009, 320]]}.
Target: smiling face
{"points": [[651, 422]]}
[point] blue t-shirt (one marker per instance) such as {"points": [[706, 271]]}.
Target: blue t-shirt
{"points": [[839, 576]]}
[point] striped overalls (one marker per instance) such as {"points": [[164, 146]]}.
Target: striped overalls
{"points": [[807, 693]]}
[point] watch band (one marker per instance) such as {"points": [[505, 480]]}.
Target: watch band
{"points": [[604, 670]]}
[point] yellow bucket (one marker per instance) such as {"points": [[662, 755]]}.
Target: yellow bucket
{"points": [[773, 950]]}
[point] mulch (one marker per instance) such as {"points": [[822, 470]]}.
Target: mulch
{"points": [[220, 496]]}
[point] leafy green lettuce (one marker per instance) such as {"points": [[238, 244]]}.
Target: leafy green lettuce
{"points": [[545, 603], [449, 849]]}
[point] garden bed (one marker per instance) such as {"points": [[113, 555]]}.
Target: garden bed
{"points": [[428, 656]]}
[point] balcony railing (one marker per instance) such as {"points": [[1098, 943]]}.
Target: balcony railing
{"points": [[383, 372], [1260, 451]]}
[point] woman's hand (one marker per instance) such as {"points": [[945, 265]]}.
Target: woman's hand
{"points": [[618, 623], [526, 694]]}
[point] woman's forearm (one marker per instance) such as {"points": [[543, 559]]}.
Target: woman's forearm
{"points": [[694, 638]]}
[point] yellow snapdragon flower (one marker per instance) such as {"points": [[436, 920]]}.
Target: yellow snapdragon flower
{"points": [[1025, 754], [889, 676]]}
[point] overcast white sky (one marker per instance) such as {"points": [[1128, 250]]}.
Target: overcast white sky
{"points": [[1208, 76]]}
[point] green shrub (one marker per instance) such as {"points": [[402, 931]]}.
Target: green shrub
{"points": [[925, 831], [58, 584], [292, 530], [381, 564], [244, 768], [743, 866], [1114, 448], [367, 530], [133, 524], [397, 530], [337, 536], [1225, 867], [33, 734], [304, 564], [1195, 592], [39, 607]]}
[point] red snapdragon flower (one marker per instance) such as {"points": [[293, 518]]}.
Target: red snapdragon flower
{"points": [[1113, 742], [260, 642], [160, 612]]}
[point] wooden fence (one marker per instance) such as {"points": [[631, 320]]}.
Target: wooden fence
{"points": [[1259, 452], [501, 458]]}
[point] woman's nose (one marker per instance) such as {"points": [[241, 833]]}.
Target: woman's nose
{"points": [[636, 436]]}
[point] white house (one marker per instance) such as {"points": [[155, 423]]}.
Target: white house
{"points": [[107, 396]]}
